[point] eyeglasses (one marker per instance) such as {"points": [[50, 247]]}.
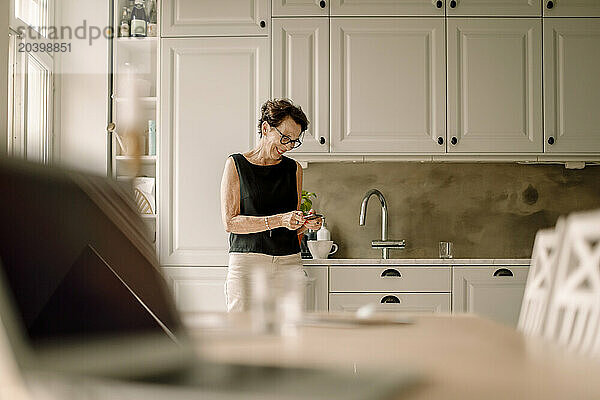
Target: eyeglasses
{"points": [[285, 139]]}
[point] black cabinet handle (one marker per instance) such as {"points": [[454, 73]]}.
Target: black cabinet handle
{"points": [[322, 4], [503, 272], [454, 140], [322, 140], [439, 3], [550, 5], [551, 140], [390, 299], [263, 24], [453, 4], [391, 272], [440, 140]]}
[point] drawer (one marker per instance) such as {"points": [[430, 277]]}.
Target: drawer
{"points": [[390, 279], [401, 302]]}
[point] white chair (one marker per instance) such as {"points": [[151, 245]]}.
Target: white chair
{"points": [[539, 280], [574, 308]]}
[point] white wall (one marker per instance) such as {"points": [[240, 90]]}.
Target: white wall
{"points": [[81, 89], [4, 11]]}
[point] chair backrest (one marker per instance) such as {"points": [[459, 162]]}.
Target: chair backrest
{"points": [[539, 280], [574, 308]]}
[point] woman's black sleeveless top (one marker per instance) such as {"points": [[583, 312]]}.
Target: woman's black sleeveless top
{"points": [[266, 190]]}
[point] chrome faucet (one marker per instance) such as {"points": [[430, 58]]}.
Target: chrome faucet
{"points": [[384, 244]]}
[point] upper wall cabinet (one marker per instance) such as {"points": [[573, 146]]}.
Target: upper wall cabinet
{"points": [[386, 8], [215, 17], [501, 8], [300, 8], [301, 73], [572, 85], [494, 85], [212, 90], [571, 8], [387, 85]]}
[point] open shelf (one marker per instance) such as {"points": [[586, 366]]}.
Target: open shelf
{"points": [[144, 159], [137, 44], [143, 100], [134, 101]]}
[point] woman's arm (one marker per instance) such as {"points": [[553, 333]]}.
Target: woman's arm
{"points": [[230, 208]]}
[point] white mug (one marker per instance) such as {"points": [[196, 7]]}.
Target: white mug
{"points": [[321, 248]]}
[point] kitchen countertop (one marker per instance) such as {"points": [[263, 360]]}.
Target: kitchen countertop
{"points": [[418, 261]]}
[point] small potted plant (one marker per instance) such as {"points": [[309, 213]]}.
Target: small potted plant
{"points": [[305, 207], [306, 202]]}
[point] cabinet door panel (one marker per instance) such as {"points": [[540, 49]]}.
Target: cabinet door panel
{"points": [[501, 8], [571, 85], [300, 8], [316, 289], [197, 289], [494, 85], [571, 8], [215, 17], [407, 302], [212, 90], [386, 8], [477, 290], [301, 73], [388, 85]]}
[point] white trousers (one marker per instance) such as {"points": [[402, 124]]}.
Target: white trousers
{"points": [[237, 284]]}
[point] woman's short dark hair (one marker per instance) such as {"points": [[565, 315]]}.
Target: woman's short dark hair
{"points": [[276, 110]]}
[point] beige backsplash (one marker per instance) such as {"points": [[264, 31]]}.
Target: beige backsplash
{"points": [[486, 210]]}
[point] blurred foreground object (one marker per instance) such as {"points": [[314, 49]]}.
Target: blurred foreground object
{"points": [[574, 310]]}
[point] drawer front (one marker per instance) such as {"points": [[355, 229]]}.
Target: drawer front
{"points": [[492, 292], [402, 302], [390, 279]]}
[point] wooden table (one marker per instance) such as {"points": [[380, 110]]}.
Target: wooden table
{"points": [[460, 357]]}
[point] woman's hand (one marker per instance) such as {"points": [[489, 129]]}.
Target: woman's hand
{"points": [[314, 224], [292, 220]]}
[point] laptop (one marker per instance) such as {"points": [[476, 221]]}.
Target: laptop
{"points": [[87, 311]]}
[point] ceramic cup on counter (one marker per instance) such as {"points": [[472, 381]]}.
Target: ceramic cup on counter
{"points": [[322, 248]]}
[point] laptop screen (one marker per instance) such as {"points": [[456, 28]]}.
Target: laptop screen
{"points": [[75, 257]]}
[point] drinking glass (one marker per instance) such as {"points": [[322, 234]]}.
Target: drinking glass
{"points": [[276, 300], [446, 249]]}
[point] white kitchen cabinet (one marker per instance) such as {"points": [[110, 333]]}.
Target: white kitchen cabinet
{"points": [[301, 73], [387, 85], [316, 293], [390, 279], [215, 17], [500, 8], [571, 8], [212, 90], [571, 84], [391, 302], [494, 85], [202, 289], [390, 288], [493, 292], [197, 289], [300, 8], [387, 8]]}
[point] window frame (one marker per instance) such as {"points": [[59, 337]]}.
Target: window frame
{"points": [[18, 88], [17, 23]]}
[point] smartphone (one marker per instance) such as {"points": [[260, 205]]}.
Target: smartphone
{"points": [[312, 216]]}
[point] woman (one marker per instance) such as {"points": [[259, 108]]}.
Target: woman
{"points": [[261, 192]]}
